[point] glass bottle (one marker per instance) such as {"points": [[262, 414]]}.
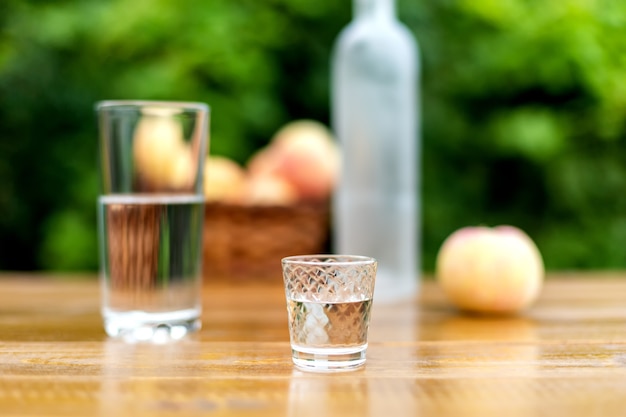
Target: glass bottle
{"points": [[375, 117]]}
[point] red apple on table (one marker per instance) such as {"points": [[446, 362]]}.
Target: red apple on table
{"points": [[490, 270]]}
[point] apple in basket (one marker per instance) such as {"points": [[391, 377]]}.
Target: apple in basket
{"points": [[490, 270], [305, 155], [224, 179], [269, 190], [162, 157]]}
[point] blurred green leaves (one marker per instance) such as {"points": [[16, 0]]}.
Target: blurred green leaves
{"points": [[524, 109], [533, 133], [524, 123]]}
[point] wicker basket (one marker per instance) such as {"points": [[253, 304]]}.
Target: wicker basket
{"points": [[248, 242]]}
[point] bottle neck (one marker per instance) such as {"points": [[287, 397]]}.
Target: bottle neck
{"points": [[384, 9]]}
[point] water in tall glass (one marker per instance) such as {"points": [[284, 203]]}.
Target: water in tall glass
{"points": [[150, 248]]}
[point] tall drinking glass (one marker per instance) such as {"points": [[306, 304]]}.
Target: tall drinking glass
{"points": [[150, 216]]}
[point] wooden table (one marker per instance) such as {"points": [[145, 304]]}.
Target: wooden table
{"points": [[566, 356]]}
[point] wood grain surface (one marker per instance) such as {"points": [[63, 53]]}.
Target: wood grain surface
{"points": [[566, 356]]}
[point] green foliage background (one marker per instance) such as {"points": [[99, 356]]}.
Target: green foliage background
{"points": [[524, 109]]}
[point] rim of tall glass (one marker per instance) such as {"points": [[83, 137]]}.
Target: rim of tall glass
{"points": [[331, 259], [134, 104]]}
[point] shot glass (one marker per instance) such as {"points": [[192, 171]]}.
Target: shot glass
{"points": [[150, 217], [329, 299]]}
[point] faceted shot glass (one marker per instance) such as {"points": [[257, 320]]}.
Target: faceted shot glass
{"points": [[150, 217], [329, 299]]}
